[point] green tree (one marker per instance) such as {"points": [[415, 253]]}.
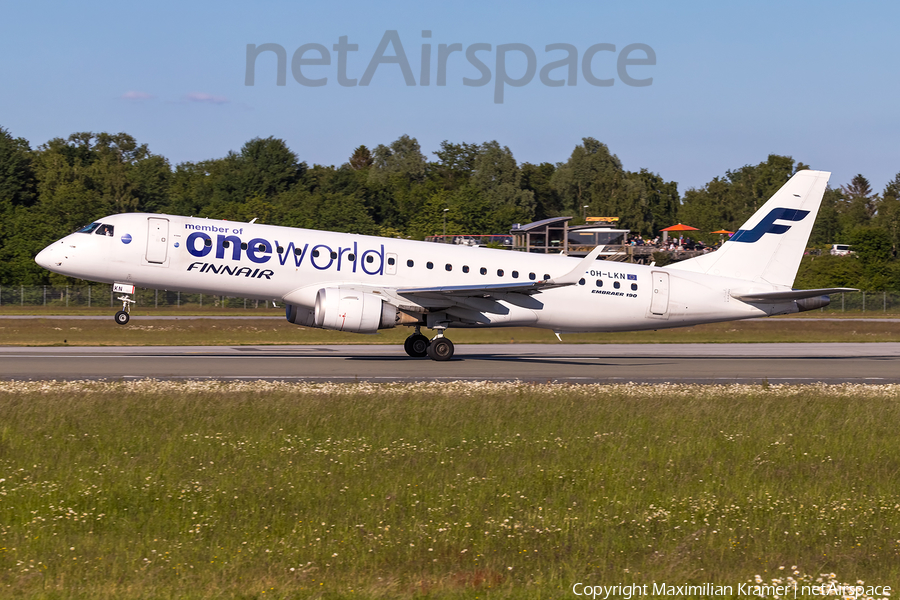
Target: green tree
{"points": [[329, 211], [588, 178], [593, 177], [859, 202], [497, 178], [727, 202], [827, 228], [455, 164], [17, 194], [360, 159], [872, 245], [828, 271], [267, 167], [537, 179], [888, 215], [394, 183], [662, 200], [114, 172], [403, 157], [17, 178]]}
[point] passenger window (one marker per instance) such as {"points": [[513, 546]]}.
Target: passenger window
{"points": [[298, 252], [633, 287], [410, 263], [515, 274], [599, 283], [207, 242], [280, 249], [499, 272], [351, 257], [532, 276], [243, 245], [429, 265], [226, 244], [581, 281], [333, 255], [369, 259], [546, 277], [465, 268], [390, 260], [483, 271], [261, 247], [315, 253], [448, 267], [616, 284]]}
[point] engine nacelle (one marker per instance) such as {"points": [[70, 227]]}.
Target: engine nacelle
{"points": [[350, 310], [813, 303], [299, 315]]}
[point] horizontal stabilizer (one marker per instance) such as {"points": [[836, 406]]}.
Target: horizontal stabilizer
{"points": [[783, 296]]}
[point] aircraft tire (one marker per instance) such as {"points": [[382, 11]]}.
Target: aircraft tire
{"points": [[416, 345], [122, 317], [440, 349]]}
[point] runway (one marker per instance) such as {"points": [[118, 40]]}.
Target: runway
{"points": [[570, 363]]}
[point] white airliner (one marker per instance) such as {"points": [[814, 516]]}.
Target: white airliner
{"points": [[360, 283]]}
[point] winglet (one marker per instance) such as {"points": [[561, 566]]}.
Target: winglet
{"points": [[572, 277]]}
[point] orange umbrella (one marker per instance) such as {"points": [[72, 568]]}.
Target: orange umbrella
{"points": [[680, 227], [723, 232]]}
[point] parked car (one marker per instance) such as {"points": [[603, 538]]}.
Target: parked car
{"points": [[840, 250]]}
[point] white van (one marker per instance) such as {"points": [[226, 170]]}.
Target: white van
{"points": [[840, 249]]}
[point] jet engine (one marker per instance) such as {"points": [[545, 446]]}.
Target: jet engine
{"points": [[299, 315], [350, 310], [813, 303]]}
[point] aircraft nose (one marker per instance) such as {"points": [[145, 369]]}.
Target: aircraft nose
{"points": [[49, 257]]}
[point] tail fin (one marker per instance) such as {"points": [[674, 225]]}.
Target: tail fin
{"points": [[769, 246]]}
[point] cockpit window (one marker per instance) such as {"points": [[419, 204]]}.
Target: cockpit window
{"points": [[90, 228], [105, 230]]}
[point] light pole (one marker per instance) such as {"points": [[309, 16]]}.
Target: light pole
{"points": [[444, 238], [584, 212]]}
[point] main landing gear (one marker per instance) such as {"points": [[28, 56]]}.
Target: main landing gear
{"points": [[418, 346], [123, 316]]}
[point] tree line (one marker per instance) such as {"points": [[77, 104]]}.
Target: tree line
{"points": [[397, 190]]}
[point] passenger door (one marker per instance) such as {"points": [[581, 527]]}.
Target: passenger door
{"points": [[659, 301], [157, 234]]}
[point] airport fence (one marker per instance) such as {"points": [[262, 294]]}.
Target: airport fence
{"points": [[102, 295]]}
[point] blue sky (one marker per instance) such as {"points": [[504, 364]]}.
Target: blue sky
{"points": [[732, 82]]}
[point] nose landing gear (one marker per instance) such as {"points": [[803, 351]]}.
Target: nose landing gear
{"points": [[123, 316]]}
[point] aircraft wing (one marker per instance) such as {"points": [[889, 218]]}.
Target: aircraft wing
{"points": [[481, 291], [491, 289], [788, 294]]}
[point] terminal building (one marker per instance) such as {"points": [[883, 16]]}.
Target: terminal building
{"points": [[555, 236]]}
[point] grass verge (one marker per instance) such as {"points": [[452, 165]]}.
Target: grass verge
{"points": [[272, 490]]}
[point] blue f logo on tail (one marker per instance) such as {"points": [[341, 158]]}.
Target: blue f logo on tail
{"points": [[767, 225]]}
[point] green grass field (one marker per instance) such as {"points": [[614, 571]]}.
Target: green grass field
{"points": [[272, 490], [60, 331]]}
